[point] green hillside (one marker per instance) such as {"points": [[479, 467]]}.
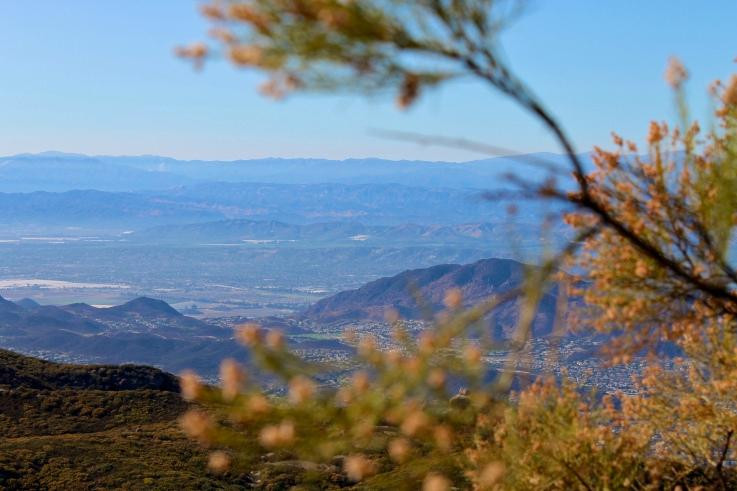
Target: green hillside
{"points": [[95, 427]]}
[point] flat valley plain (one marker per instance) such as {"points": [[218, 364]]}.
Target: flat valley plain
{"points": [[210, 280]]}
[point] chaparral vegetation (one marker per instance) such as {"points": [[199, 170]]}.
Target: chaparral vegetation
{"points": [[650, 264]]}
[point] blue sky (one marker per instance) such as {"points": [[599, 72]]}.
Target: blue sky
{"points": [[99, 77]]}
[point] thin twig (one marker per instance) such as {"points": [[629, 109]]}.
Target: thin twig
{"points": [[723, 457], [576, 474]]}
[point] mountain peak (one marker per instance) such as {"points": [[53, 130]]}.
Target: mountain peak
{"points": [[28, 303], [8, 307], [147, 305]]}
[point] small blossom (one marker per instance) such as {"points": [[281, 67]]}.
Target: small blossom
{"points": [[249, 334], [453, 298], [443, 437], [247, 14], [286, 432], [269, 436], [232, 378], [491, 475], [246, 55], [360, 382], [258, 404], [641, 269], [399, 449], [335, 18], [191, 385], [301, 389], [194, 51], [655, 135], [273, 88], [218, 462], [426, 342], [358, 467], [223, 35], [197, 425], [675, 73], [408, 91], [436, 482], [415, 422], [472, 354], [214, 12], [280, 435], [436, 378], [275, 339]]}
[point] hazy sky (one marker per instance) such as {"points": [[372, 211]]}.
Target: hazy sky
{"points": [[99, 77]]}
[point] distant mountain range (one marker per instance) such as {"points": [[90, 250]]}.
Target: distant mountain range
{"points": [[383, 204], [401, 292], [331, 232], [56, 171], [96, 209], [54, 191]]}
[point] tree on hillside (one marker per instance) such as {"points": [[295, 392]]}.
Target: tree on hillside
{"points": [[653, 241]]}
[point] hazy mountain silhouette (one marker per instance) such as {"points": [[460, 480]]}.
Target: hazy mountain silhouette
{"points": [[331, 232], [57, 171], [144, 330]]}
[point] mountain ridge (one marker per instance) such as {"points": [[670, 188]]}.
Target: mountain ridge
{"points": [[331, 231], [143, 331], [415, 294], [146, 172]]}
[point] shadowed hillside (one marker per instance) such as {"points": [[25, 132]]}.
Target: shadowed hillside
{"points": [[416, 293], [18, 371]]}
